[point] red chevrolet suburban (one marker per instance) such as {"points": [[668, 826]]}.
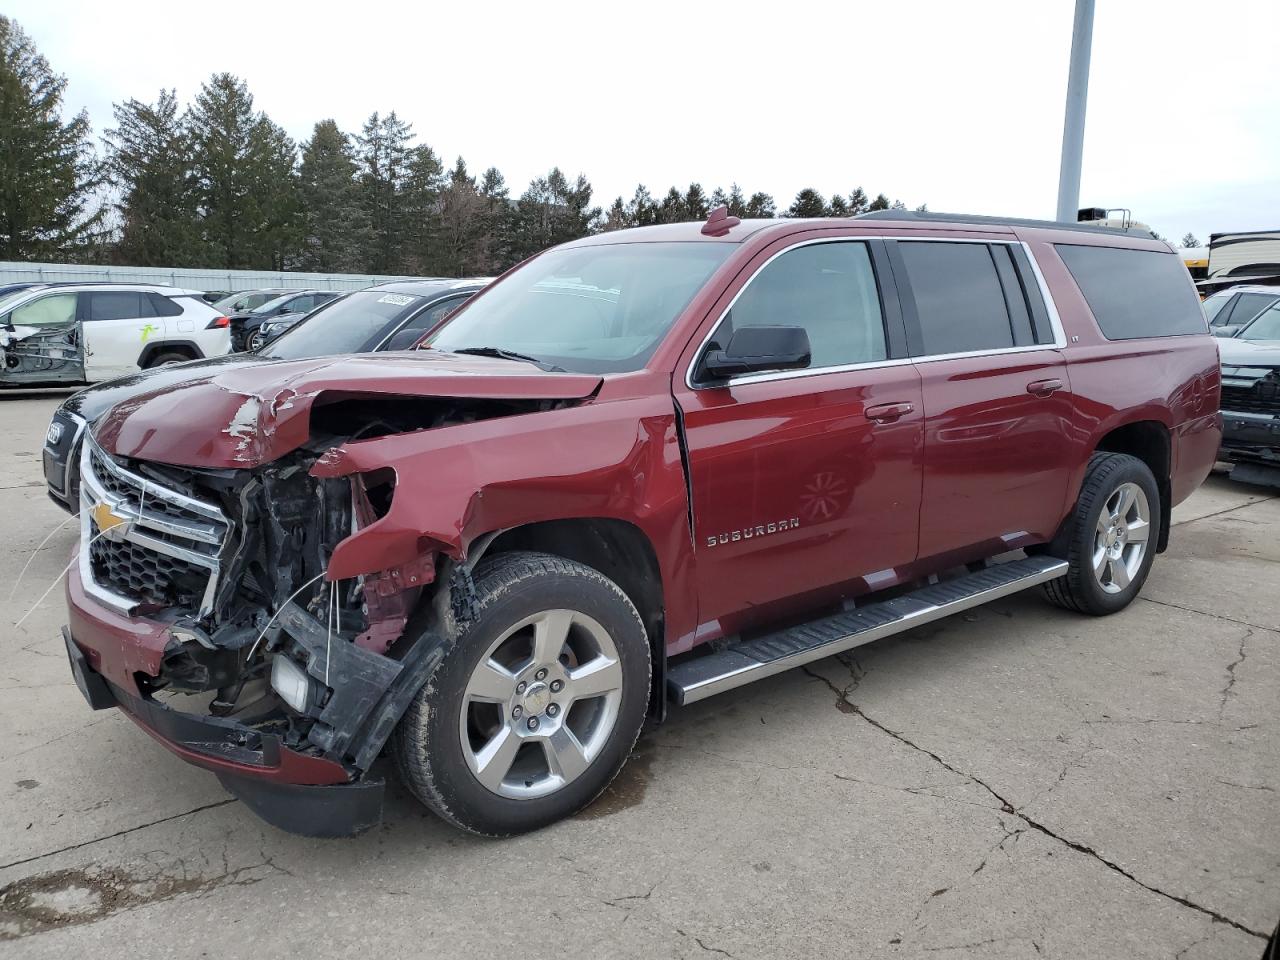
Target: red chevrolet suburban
{"points": [[644, 467]]}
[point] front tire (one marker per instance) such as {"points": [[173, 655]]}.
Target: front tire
{"points": [[1113, 537], [166, 359], [537, 703]]}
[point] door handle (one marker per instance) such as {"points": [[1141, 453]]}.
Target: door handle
{"points": [[888, 412], [1043, 388]]}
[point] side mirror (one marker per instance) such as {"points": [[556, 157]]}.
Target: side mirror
{"points": [[1224, 331], [756, 350], [403, 339]]}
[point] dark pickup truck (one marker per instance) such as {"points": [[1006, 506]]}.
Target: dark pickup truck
{"points": [[641, 469]]}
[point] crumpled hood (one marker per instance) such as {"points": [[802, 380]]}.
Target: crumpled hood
{"points": [[247, 416], [92, 402], [1249, 353]]}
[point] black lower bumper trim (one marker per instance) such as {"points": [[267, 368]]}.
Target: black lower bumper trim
{"points": [[91, 683], [343, 810]]}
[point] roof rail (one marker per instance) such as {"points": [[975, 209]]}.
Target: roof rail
{"points": [[909, 215]]}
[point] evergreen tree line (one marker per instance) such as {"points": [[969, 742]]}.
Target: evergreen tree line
{"points": [[219, 184]]}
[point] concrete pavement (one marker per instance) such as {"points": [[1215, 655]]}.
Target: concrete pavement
{"points": [[1012, 782]]}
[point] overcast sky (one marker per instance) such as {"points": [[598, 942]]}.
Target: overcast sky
{"points": [[955, 104]]}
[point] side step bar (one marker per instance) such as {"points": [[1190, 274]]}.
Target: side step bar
{"points": [[773, 653]]}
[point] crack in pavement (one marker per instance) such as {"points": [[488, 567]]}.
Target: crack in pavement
{"points": [[119, 833], [1007, 807], [1218, 513], [1206, 613], [1231, 674]]}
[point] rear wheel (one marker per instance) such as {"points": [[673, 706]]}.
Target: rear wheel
{"points": [[165, 359], [537, 703], [1113, 539]]}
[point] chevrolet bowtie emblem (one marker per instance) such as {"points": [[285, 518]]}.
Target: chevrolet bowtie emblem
{"points": [[110, 524]]}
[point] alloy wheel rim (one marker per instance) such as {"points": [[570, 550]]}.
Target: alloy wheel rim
{"points": [[540, 704], [1121, 538]]}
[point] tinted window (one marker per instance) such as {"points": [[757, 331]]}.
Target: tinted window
{"points": [[54, 310], [592, 309], [960, 303], [1248, 306], [434, 314], [1135, 293], [827, 288], [118, 305], [163, 306]]}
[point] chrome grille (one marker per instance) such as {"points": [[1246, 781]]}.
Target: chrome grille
{"points": [[159, 546]]}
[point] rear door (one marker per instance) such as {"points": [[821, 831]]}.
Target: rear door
{"points": [[997, 399], [116, 326], [805, 484]]}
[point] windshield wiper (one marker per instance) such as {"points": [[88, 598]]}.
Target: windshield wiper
{"points": [[510, 355]]}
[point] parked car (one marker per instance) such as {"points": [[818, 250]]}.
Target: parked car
{"points": [[244, 300], [1229, 310], [245, 325], [647, 466], [269, 330], [363, 322], [84, 333], [1251, 399]]}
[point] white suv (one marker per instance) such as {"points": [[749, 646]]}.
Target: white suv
{"points": [[84, 333]]}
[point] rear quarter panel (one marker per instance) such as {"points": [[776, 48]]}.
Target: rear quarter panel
{"points": [[1175, 381]]}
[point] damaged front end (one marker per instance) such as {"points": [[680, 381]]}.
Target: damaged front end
{"points": [[262, 653], [41, 355]]}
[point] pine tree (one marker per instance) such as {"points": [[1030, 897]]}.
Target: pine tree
{"points": [[149, 162], [335, 226], [923, 208], [418, 213], [672, 209], [1189, 240], [616, 217], [461, 247], [808, 203], [838, 207], [881, 202], [244, 179], [761, 207], [695, 203], [553, 211], [641, 210], [383, 157], [497, 222], [48, 172], [858, 202]]}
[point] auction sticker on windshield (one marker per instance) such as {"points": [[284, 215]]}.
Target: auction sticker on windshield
{"points": [[399, 299]]}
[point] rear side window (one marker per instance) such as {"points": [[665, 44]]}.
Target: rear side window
{"points": [[959, 298], [827, 288], [1134, 293], [1248, 306], [118, 305], [163, 306]]}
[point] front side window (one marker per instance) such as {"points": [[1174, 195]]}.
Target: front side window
{"points": [[593, 309], [1266, 326], [829, 289], [51, 311], [1249, 305], [960, 302], [1134, 293], [435, 313]]}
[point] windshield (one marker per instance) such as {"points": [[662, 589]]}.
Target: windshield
{"points": [[276, 302], [1265, 326], [595, 309], [348, 325], [1214, 305]]}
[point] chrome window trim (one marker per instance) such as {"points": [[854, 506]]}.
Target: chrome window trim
{"points": [[1055, 321]]}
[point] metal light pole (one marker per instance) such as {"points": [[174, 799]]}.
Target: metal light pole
{"points": [[1073, 124]]}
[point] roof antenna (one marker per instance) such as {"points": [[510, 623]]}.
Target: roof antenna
{"points": [[719, 223]]}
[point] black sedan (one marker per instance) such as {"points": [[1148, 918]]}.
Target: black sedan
{"points": [[389, 316], [245, 325]]}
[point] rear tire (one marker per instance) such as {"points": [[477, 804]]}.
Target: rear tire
{"points": [[165, 359], [1113, 537], [537, 702]]}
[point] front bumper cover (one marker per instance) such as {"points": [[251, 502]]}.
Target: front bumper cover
{"points": [[1250, 438], [298, 793]]}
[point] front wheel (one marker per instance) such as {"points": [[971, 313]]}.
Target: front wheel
{"points": [[537, 703], [1113, 539]]}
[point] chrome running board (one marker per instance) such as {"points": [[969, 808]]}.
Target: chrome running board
{"points": [[761, 657]]}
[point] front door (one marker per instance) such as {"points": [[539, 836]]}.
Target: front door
{"points": [[998, 446], [116, 325], [805, 483]]}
